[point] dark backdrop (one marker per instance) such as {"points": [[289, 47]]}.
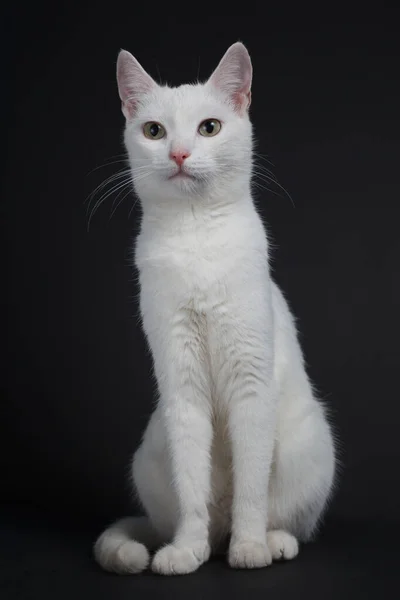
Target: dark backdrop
{"points": [[76, 373]]}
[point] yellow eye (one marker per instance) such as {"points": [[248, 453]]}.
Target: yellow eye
{"points": [[153, 130], [210, 127]]}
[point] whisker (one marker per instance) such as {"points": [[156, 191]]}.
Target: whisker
{"points": [[133, 206], [119, 186], [258, 185], [114, 162], [264, 174], [110, 179], [103, 190], [141, 176], [115, 199], [117, 183], [111, 160], [264, 157], [264, 168], [276, 182], [120, 202]]}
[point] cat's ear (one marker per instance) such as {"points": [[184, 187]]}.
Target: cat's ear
{"points": [[233, 76], [133, 82]]}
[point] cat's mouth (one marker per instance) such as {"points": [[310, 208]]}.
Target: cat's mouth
{"points": [[181, 175]]}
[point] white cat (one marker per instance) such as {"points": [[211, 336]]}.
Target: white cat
{"points": [[238, 449]]}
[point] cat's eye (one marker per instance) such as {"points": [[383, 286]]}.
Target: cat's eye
{"points": [[153, 130], [210, 127]]}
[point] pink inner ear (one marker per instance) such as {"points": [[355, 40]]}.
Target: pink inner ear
{"points": [[233, 76], [241, 101], [133, 82]]}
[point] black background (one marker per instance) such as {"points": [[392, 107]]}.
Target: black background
{"points": [[76, 372]]}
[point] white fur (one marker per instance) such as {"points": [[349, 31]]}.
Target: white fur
{"points": [[238, 447]]}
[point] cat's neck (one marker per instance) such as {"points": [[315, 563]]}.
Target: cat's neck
{"points": [[222, 202]]}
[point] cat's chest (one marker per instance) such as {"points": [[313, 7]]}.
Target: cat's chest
{"points": [[190, 265], [202, 264], [190, 261]]}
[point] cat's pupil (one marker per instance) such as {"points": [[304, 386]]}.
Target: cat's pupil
{"points": [[209, 126], [154, 129]]}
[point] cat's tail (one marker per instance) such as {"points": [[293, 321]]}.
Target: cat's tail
{"points": [[123, 547]]}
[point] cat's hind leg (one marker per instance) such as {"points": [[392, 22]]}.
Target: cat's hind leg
{"points": [[282, 545], [301, 478], [125, 547]]}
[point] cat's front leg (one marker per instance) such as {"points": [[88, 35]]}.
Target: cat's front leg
{"points": [[182, 372], [243, 341]]}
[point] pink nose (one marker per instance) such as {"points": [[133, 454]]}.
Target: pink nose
{"points": [[179, 156]]}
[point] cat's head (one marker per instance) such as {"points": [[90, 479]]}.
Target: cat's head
{"points": [[192, 140]]}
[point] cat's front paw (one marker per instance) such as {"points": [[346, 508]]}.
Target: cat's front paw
{"points": [[249, 555], [174, 560]]}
